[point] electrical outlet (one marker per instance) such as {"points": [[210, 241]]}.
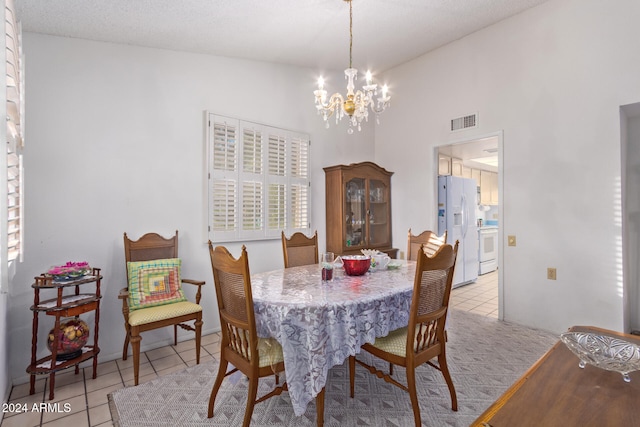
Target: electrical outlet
{"points": [[401, 254], [551, 273], [511, 240]]}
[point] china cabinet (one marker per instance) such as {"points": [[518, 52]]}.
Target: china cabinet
{"points": [[358, 208], [68, 303]]}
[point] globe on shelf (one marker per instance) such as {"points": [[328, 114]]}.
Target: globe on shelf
{"points": [[73, 334]]}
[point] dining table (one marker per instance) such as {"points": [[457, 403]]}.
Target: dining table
{"points": [[319, 324]]}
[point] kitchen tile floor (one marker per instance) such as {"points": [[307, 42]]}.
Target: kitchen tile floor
{"points": [[86, 398], [480, 297]]}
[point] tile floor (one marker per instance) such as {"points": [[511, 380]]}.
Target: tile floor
{"points": [[480, 297], [86, 398]]}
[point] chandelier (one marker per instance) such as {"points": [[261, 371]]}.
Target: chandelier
{"points": [[356, 104]]}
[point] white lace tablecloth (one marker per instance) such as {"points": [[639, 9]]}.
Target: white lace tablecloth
{"points": [[320, 324]]}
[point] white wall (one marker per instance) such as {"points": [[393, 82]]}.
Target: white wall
{"points": [[553, 79], [115, 143]]}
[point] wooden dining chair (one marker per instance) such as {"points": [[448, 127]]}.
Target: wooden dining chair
{"points": [[430, 240], [424, 337], [153, 297], [300, 249], [240, 345]]}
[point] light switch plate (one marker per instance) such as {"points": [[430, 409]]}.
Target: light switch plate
{"points": [[511, 240]]}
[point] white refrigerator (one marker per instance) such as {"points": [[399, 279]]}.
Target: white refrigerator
{"points": [[457, 200]]}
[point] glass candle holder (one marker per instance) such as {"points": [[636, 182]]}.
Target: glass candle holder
{"points": [[327, 260]]}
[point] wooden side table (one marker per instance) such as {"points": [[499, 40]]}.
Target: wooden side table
{"points": [[556, 392], [69, 305]]}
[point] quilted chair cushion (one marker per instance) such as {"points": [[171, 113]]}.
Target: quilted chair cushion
{"points": [[394, 343], [154, 283], [270, 352], [154, 314]]}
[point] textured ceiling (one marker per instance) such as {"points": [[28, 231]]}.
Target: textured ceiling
{"points": [[307, 33]]}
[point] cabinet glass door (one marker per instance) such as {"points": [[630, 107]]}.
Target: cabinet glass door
{"points": [[378, 211], [356, 212]]}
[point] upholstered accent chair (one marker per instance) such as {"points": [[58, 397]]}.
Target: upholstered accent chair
{"points": [[154, 297], [299, 249], [430, 240], [240, 345], [424, 337]]}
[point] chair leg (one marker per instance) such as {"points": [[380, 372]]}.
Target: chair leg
{"points": [[251, 401], [352, 374], [222, 370], [442, 361], [198, 325], [125, 348], [135, 345], [175, 334], [320, 408], [411, 385]]}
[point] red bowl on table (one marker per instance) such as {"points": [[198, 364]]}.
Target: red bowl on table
{"points": [[356, 265]]}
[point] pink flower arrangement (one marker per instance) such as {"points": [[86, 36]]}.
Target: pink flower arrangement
{"points": [[70, 269]]}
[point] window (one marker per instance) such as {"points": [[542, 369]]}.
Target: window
{"points": [[258, 180], [11, 158], [14, 205]]}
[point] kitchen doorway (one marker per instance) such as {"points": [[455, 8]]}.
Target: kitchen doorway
{"points": [[480, 158]]}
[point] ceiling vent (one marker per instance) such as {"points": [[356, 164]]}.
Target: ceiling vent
{"points": [[465, 122]]}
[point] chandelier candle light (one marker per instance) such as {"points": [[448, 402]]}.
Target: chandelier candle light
{"points": [[356, 103]]}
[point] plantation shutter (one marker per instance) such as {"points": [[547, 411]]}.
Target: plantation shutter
{"points": [[299, 185], [252, 182], [277, 208], [259, 180], [14, 205], [224, 189], [251, 206], [277, 181], [12, 230]]}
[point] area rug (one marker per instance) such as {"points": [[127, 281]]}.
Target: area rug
{"points": [[485, 357]]}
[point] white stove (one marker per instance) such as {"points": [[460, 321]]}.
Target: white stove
{"points": [[488, 249]]}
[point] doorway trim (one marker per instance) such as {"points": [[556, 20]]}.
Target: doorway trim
{"points": [[502, 220], [629, 183]]}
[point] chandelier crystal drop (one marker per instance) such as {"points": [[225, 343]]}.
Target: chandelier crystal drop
{"points": [[357, 103]]}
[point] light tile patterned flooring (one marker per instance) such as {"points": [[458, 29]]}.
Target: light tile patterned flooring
{"points": [[480, 297], [87, 398]]}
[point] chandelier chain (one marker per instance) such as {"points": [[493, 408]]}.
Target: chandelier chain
{"points": [[350, 33]]}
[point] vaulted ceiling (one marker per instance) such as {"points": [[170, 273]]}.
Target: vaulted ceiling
{"points": [[306, 33]]}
